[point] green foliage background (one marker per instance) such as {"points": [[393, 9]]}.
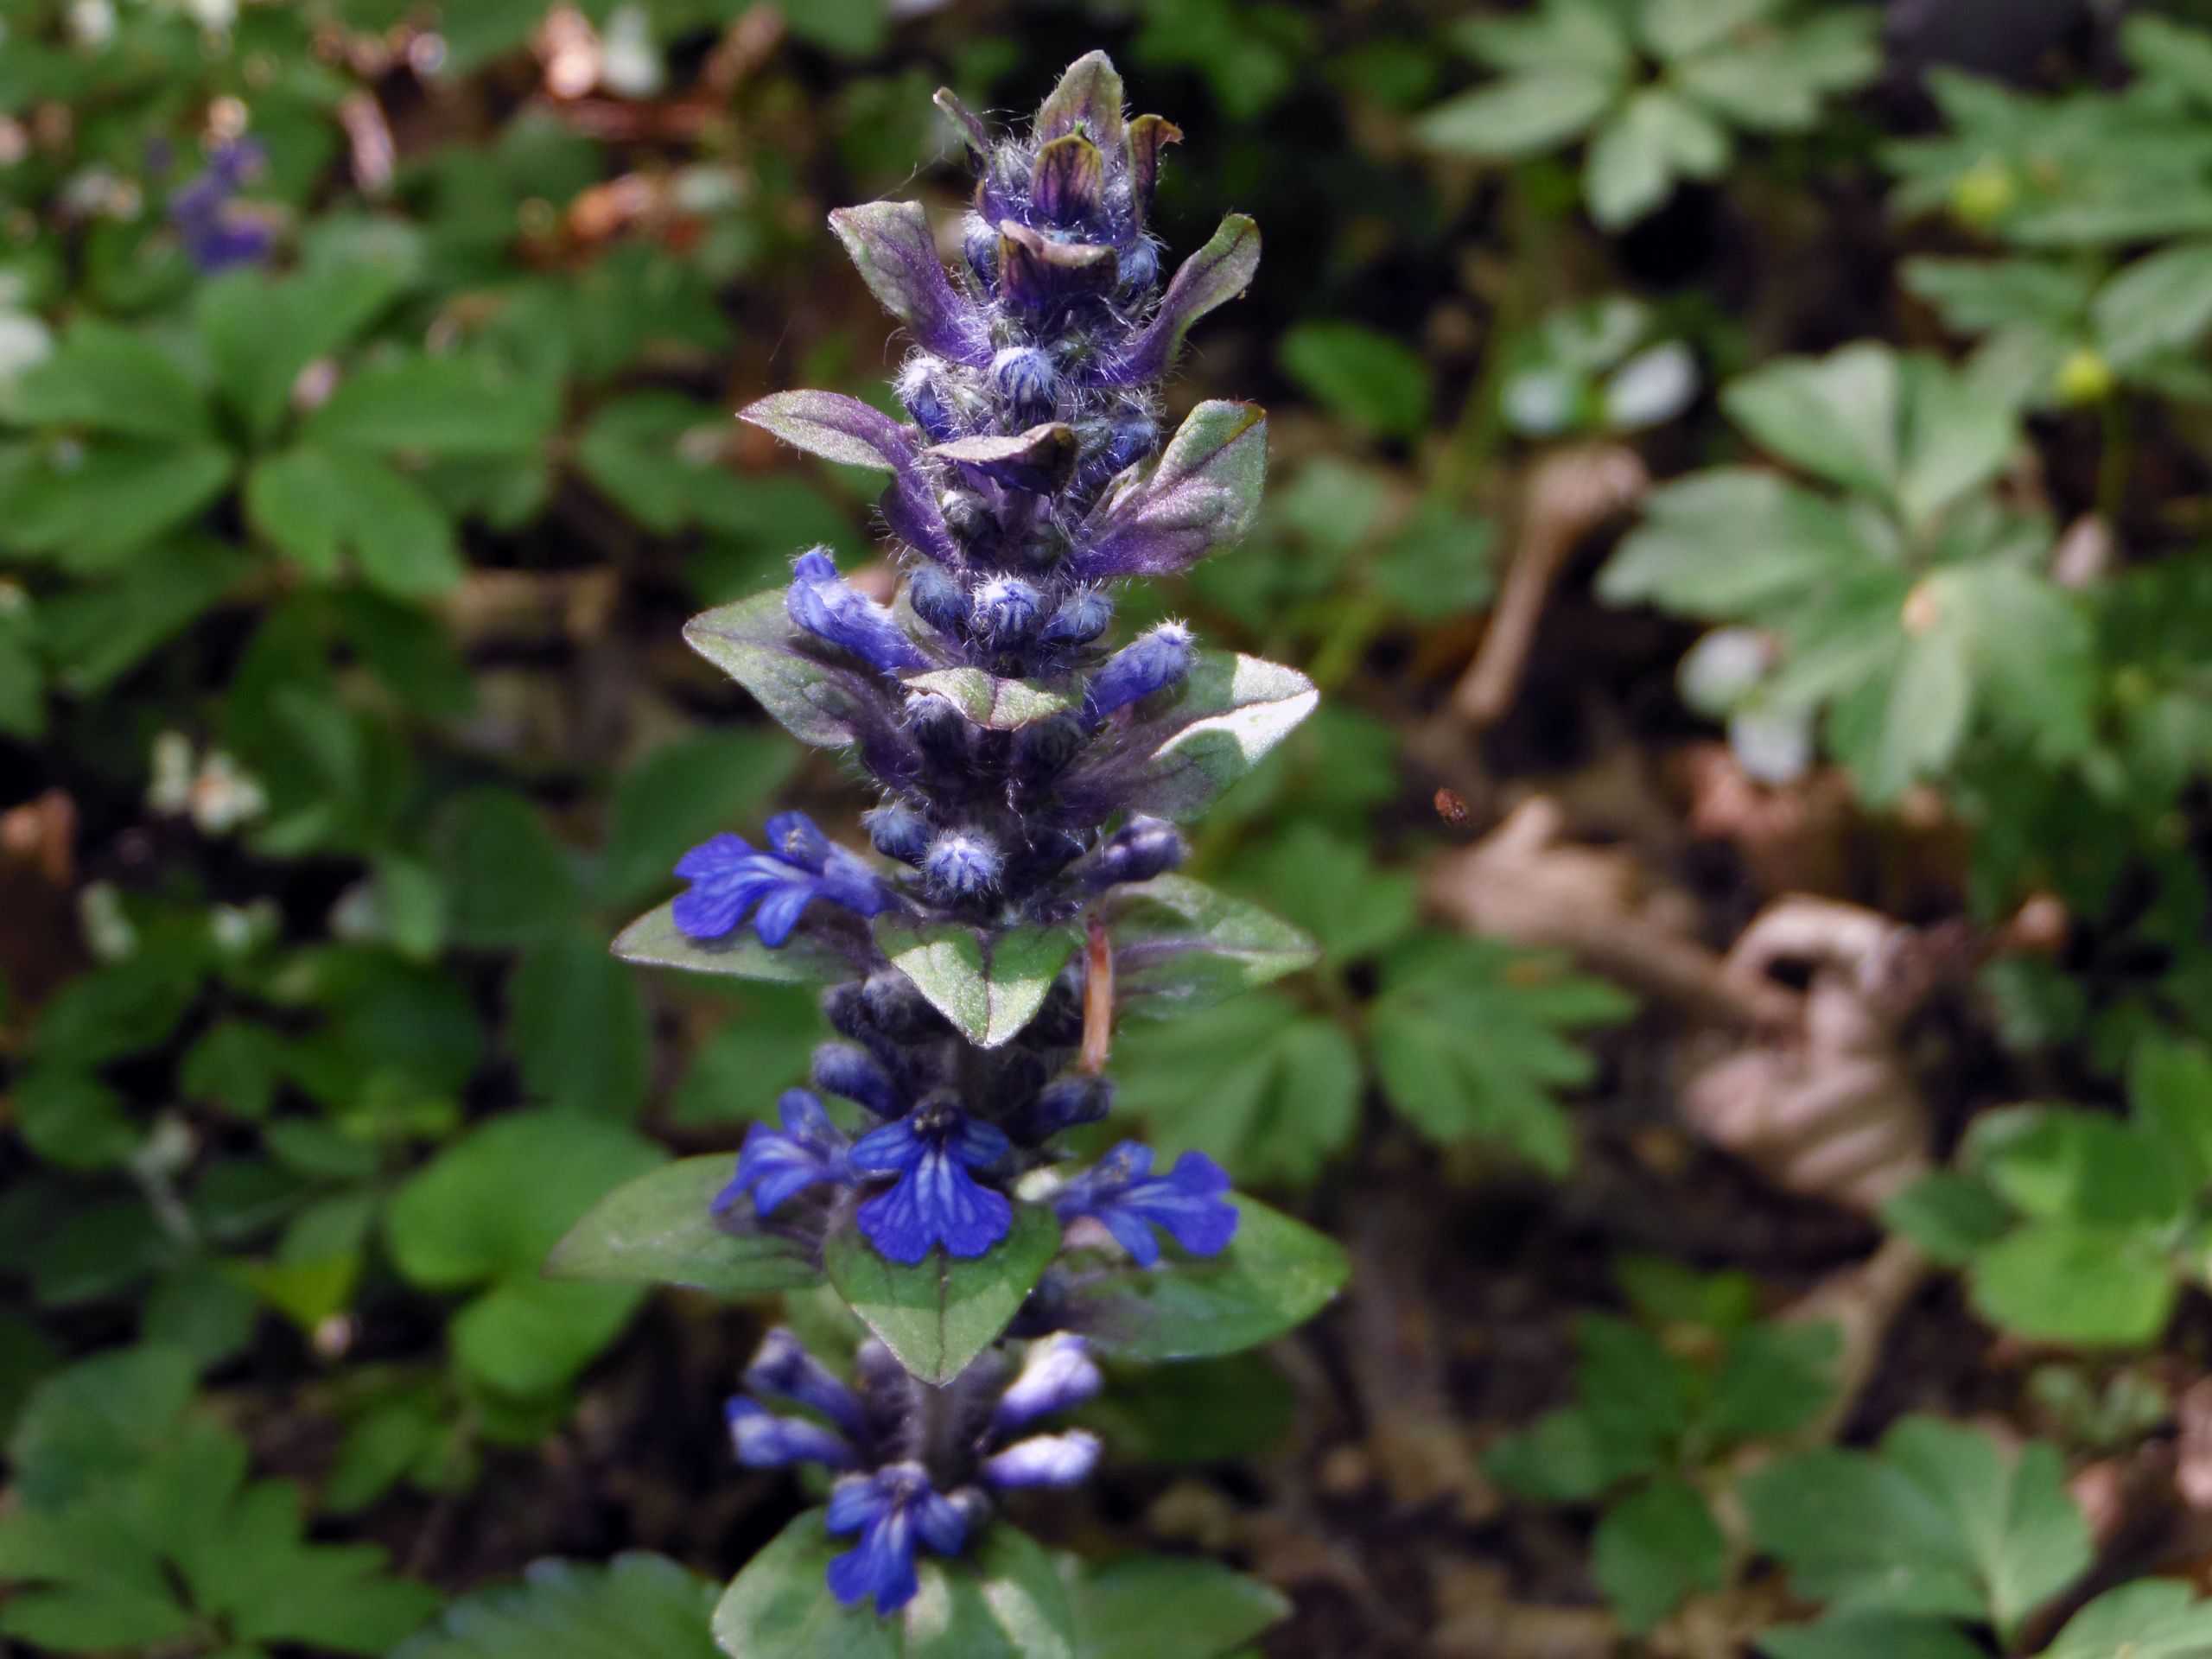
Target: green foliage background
{"points": [[343, 716]]}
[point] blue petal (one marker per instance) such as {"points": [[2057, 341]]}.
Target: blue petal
{"points": [[1044, 1461], [713, 856], [943, 1527], [764, 1440], [779, 913], [883, 1566], [856, 1502], [891, 1149]]}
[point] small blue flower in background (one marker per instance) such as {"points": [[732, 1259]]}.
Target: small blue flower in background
{"points": [[217, 231], [825, 605], [898, 1505], [1123, 1194], [773, 1166], [935, 1199], [729, 876]]}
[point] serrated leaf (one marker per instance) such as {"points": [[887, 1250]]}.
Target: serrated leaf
{"points": [[752, 642], [1181, 945], [655, 941], [1836, 416], [939, 1314], [2075, 1282], [1277, 1274], [1519, 116], [2155, 1619], [658, 1228], [1857, 1635], [1232, 710], [1268, 1090], [1471, 1037], [2162, 303], [110, 379], [1374, 380], [636, 1606], [1654, 1548], [1169, 1607], [439, 406], [988, 981], [988, 701]]}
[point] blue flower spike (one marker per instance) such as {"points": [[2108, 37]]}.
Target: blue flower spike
{"points": [[1031, 768], [1122, 1195]]}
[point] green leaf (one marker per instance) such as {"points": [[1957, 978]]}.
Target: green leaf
{"points": [[1772, 1380], [2170, 1086], [2054, 1164], [989, 982], [1374, 380], [1168, 1607], [1836, 416], [2162, 303], [2153, 1619], [509, 880], [1276, 1276], [444, 407], [259, 332], [1676, 28], [1653, 1548], [2068, 1281], [2011, 1514], [1470, 1038], [489, 1210], [1011, 1605], [109, 379], [679, 794], [1944, 1523], [1636, 157], [1949, 1216], [939, 1314], [658, 1228], [752, 642], [578, 1028], [1000, 705], [1180, 946], [1269, 1091], [636, 1606], [655, 941], [1521, 115], [778, 1606], [1731, 543], [1231, 711], [1957, 437], [318, 505], [97, 1419], [1857, 1635], [1328, 885], [96, 508]]}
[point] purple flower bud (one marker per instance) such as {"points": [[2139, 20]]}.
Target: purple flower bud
{"points": [[939, 600], [919, 390], [1044, 1461], [765, 1440], [1139, 850], [940, 730], [784, 1368], [1140, 267], [897, 1009], [1133, 439], [979, 242], [1026, 380], [1007, 609], [969, 517], [1041, 752], [826, 607], [854, 1074], [1056, 1373], [1150, 662], [1060, 1106], [899, 830], [964, 864], [1083, 616]]}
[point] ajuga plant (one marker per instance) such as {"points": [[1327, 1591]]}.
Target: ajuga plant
{"points": [[1017, 896]]}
